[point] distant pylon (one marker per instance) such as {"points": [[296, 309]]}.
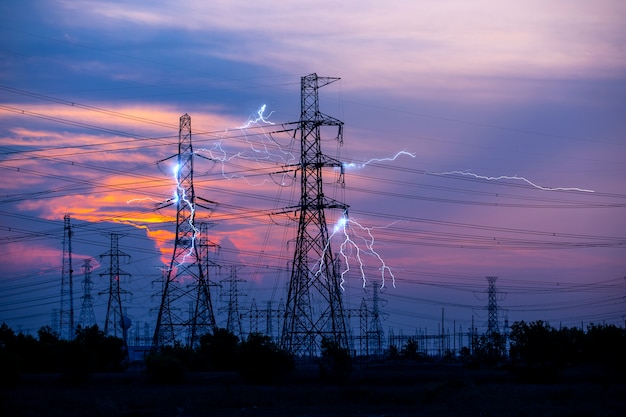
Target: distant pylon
{"points": [[375, 332], [314, 309], [233, 317], [253, 315], [492, 307], [203, 320], [271, 315], [115, 314], [364, 315], [87, 316], [186, 278], [66, 312]]}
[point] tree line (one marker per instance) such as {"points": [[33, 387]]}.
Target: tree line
{"points": [[534, 350]]}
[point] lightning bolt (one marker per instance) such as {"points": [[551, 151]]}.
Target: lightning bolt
{"points": [[192, 211], [260, 118], [374, 160], [141, 200], [265, 149], [513, 177], [360, 240]]}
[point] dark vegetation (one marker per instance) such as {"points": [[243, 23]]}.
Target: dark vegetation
{"points": [[539, 370], [90, 351]]}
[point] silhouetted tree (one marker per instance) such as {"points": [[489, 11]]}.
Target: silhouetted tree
{"points": [[605, 345], [42, 355], [394, 354], [218, 350], [7, 337], [489, 350], [260, 360], [103, 353], [538, 351], [9, 359], [335, 363], [410, 348]]}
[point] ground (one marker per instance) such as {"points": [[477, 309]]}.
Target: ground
{"points": [[384, 390]]}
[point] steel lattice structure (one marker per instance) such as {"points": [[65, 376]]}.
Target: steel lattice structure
{"points": [[233, 313], [314, 309], [87, 316], [66, 312], [186, 278], [115, 315], [492, 307]]}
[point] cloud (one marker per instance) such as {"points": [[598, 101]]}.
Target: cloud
{"points": [[484, 48]]}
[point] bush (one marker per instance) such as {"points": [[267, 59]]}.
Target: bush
{"points": [[335, 363], [162, 368], [260, 360], [104, 353], [218, 351]]}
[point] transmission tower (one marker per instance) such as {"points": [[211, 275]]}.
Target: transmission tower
{"points": [[371, 332], [375, 332], [186, 278], [492, 307], [202, 319], [66, 312], [87, 316], [253, 315], [233, 315], [314, 309], [115, 315], [364, 315]]}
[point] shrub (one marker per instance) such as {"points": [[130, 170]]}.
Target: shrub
{"points": [[218, 351], [162, 368], [335, 363], [260, 360]]}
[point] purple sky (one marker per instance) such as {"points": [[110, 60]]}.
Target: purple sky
{"points": [[91, 93]]}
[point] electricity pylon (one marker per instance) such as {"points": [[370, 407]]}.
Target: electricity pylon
{"points": [[372, 334], [66, 313], [87, 316], [233, 313], [203, 320], [375, 331], [492, 307], [186, 278], [314, 309], [115, 315]]}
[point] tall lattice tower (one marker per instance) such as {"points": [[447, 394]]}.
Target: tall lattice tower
{"points": [[186, 278], [115, 315], [66, 312], [314, 307], [492, 307], [87, 316]]}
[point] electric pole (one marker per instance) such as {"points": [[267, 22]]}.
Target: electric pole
{"points": [[186, 278], [314, 309], [87, 316], [492, 307], [66, 312], [233, 315], [115, 315]]}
